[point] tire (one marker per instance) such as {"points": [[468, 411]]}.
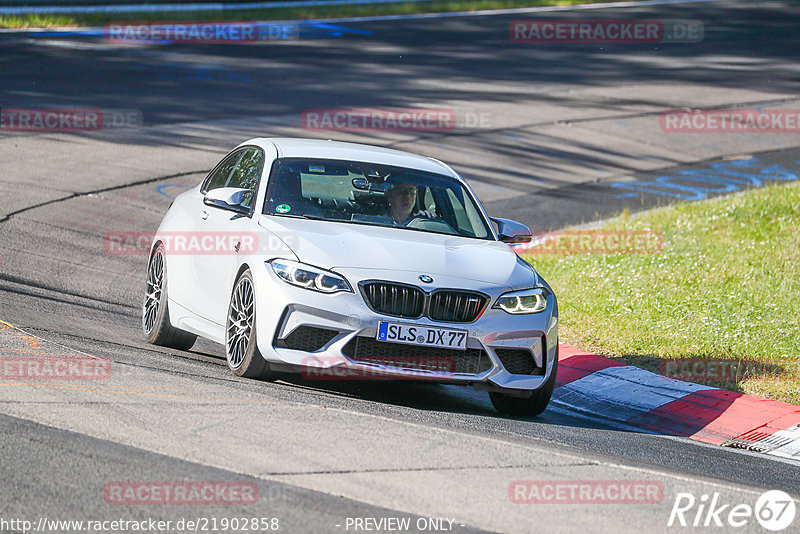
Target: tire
{"points": [[530, 406], [241, 347], [155, 313]]}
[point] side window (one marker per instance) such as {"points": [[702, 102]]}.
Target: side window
{"points": [[247, 172], [467, 214], [458, 209], [478, 227], [219, 177]]}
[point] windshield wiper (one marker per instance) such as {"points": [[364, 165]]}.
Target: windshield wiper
{"points": [[297, 216]]}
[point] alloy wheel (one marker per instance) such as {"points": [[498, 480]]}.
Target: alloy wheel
{"points": [[240, 322], [152, 298]]}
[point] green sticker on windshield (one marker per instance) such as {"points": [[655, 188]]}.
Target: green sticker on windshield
{"points": [[283, 208]]}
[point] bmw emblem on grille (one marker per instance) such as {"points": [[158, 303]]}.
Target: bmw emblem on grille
{"points": [[426, 279]]}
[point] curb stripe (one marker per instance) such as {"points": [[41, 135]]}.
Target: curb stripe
{"points": [[624, 392], [717, 416], [791, 449], [627, 394], [574, 364]]}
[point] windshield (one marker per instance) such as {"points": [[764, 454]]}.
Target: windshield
{"points": [[372, 194]]}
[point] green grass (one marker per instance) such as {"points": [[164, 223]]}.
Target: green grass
{"points": [[725, 286], [399, 8], [35, 21]]}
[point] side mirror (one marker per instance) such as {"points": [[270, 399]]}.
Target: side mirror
{"points": [[229, 198], [512, 231]]}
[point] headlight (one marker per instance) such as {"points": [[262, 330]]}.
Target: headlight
{"points": [[525, 301], [314, 278]]}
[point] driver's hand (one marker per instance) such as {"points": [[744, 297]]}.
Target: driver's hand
{"points": [[426, 213]]}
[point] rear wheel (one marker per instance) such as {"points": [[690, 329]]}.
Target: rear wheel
{"points": [[241, 348], [155, 313], [527, 406]]}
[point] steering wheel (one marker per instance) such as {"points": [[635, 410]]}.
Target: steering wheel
{"points": [[414, 218]]}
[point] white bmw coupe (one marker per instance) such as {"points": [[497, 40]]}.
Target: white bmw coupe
{"points": [[339, 260]]}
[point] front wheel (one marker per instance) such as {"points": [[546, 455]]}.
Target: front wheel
{"points": [[529, 406], [241, 348], [155, 313]]}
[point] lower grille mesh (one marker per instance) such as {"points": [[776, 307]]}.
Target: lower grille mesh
{"points": [[369, 350], [307, 338], [518, 361]]}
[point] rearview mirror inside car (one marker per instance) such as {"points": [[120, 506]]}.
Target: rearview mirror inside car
{"points": [[365, 184]]}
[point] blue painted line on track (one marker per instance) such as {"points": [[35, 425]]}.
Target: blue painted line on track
{"points": [[716, 178], [161, 188], [287, 31]]}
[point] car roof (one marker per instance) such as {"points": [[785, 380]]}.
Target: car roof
{"points": [[289, 147]]}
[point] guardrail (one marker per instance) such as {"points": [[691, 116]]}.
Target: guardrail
{"points": [[172, 8]]}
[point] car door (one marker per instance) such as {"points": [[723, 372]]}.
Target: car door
{"points": [[215, 269], [188, 221]]}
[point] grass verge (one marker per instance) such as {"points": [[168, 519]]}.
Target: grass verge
{"points": [[304, 13], [726, 286]]}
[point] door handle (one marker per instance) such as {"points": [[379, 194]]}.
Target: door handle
{"points": [[203, 214]]}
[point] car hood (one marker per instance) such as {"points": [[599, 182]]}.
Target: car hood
{"points": [[334, 245]]}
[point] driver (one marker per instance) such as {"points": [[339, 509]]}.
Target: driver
{"points": [[402, 197]]}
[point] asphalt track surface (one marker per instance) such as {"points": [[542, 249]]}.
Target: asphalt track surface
{"points": [[565, 122]]}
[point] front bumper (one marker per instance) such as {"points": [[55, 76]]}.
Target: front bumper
{"points": [[282, 309]]}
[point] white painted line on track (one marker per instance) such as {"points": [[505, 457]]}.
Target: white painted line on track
{"points": [[9, 326], [517, 10]]}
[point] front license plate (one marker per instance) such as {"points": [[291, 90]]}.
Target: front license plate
{"points": [[428, 336]]}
